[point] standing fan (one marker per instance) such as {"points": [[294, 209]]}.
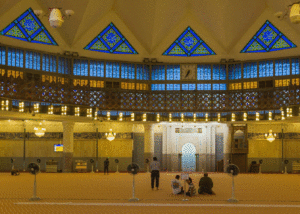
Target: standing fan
{"points": [[39, 161], [285, 168], [233, 171], [133, 169], [34, 169], [117, 162], [92, 161], [260, 163]]}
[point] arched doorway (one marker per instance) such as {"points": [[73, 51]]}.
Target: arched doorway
{"points": [[188, 158]]}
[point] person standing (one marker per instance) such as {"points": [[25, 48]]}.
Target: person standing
{"points": [[154, 166], [106, 164]]}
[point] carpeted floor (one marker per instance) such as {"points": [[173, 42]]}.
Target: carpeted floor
{"points": [[90, 193]]}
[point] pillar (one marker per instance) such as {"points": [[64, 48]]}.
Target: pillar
{"points": [[149, 142], [68, 128], [227, 145]]}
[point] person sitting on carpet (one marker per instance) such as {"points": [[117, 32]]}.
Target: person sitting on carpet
{"points": [[192, 190], [176, 186], [15, 172], [205, 185]]}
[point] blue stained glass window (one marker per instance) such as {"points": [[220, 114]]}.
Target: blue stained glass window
{"points": [[15, 57], [200, 114], [268, 38], [2, 55], [266, 68], [80, 67], [189, 44], [28, 27], [158, 72], [219, 72], [282, 67], [33, 60], [112, 70], [188, 87], [173, 87], [64, 65], [110, 40], [250, 70], [96, 68], [203, 87], [127, 71], [234, 71], [142, 72], [173, 72], [204, 72], [295, 66], [49, 63], [219, 86], [158, 87]]}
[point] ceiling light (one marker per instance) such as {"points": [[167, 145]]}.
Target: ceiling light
{"points": [[110, 136], [55, 16], [39, 131], [270, 137]]}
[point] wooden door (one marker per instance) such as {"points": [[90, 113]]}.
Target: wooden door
{"points": [[241, 161]]}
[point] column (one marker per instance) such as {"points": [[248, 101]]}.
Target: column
{"points": [[227, 145], [149, 142], [68, 132]]}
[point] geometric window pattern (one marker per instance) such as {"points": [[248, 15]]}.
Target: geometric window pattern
{"points": [[110, 40], [189, 44], [267, 39], [29, 28]]}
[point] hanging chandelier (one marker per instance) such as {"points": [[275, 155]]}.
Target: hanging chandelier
{"points": [[270, 137], [39, 131], [55, 16], [110, 135]]}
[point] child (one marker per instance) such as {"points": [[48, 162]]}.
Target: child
{"points": [[192, 190]]}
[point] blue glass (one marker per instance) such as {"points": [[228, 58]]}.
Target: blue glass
{"points": [[282, 67], [295, 66], [188, 87], [28, 27], [158, 87], [204, 72], [219, 72], [173, 72], [15, 57], [80, 67], [234, 71], [173, 87], [112, 70], [49, 63], [200, 114], [268, 38], [189, 44], [33, 60], [96, 69], [111, 40], [203, 87], [266, 68], [127, 71], [250, 70], [219, 86], [158, 72], [64, 65], [2, 55]]}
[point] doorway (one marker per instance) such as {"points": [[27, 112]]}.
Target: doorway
{"points": [[188, 158]]}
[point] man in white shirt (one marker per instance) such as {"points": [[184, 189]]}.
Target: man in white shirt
{"points": [[176, 186], [154, 166]]}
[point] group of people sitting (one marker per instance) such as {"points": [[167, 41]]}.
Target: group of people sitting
{"points": [[205, 186]]}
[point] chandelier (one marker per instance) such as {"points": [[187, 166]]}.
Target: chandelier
{"points": [[270, 137], [56, 17], [293, 11], [110, 135], [39, 131]]}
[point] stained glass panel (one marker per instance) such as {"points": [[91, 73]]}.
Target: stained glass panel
{"points": [[282, 67], [173, 72], [266, 68], [250, 70], [49, 63], [268, 38], [2, 55], [111, 40], [96, 68], [204, 72], [189, 44], [295, 66], [29, 28]]}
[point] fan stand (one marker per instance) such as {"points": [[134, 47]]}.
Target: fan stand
{"points": [[34, 197], [232, 199], [92, 168], [285, 170], [148, 168], [117, 169], [133, 199]]}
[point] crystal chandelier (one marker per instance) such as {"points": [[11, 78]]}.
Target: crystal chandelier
{"points": [[270, 137], [110, 135], [39, 131]]}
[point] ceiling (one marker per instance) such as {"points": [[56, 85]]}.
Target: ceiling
{"points": [[151, 26]]}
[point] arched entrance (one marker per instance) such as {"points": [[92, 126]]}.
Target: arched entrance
{"points": [[188, 158]]}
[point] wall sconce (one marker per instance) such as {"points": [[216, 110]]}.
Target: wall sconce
{"points": [[108, 115], [110, 135], [170, 117], [219, 117], [144, 117], [36, 108], [282, 115], [182, 117], [257, 116], [245, 116], [5, 105], [206, 117], [64, 110], [89, 112], [270, 115], [120, 116], [50, 109], [96, 114], [232, 116], [21, 106], [77, 111], [157, 117], [195, 117], [132, 116]]}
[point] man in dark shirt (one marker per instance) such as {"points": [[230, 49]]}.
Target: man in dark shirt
{"points": [[106, 164], [205, 185]]}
